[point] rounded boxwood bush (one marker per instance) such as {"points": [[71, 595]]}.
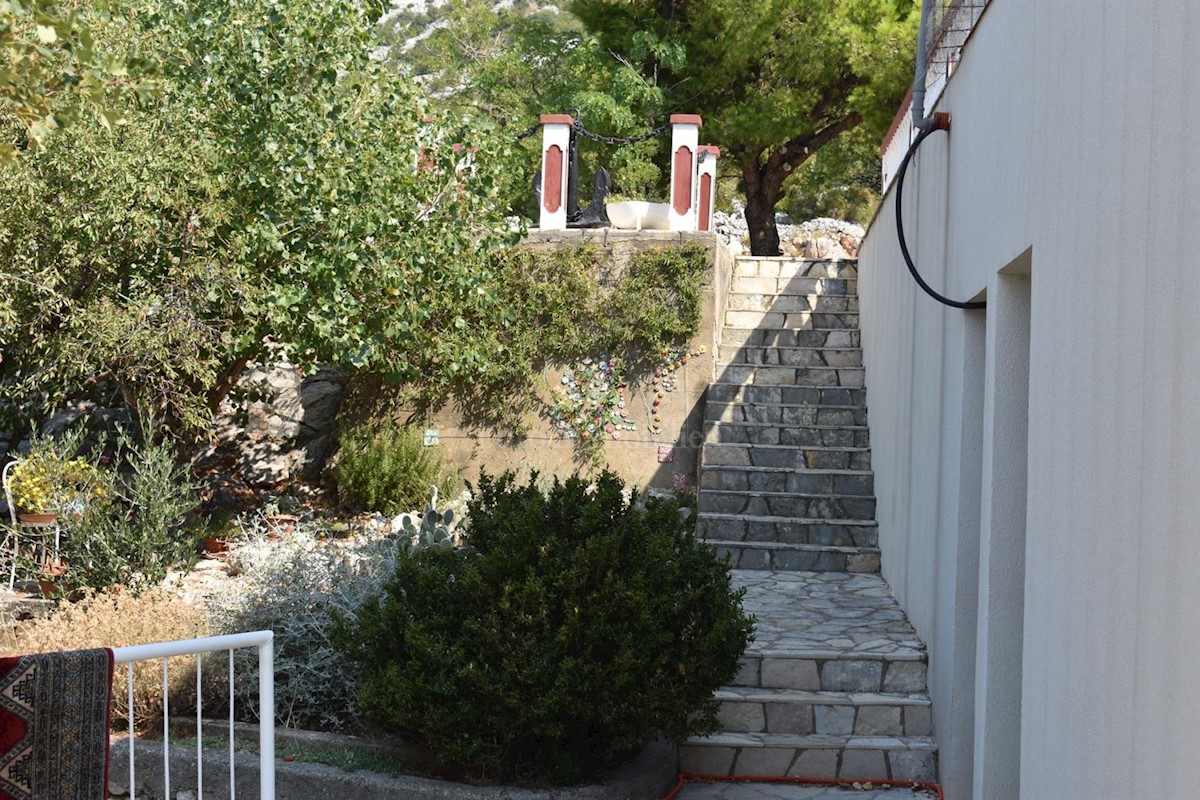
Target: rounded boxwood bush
{"points": [[575, 626]]}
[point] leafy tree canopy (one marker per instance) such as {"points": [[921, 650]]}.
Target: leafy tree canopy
{"points": [[51, 65], [510, 64], [775, 80], [285, 187]]}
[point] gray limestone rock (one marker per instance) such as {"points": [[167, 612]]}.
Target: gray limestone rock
{"points": [[863, 764], [879, 721], [792, 718], [851, 675], [763, 760], [918, 721], [913, 765], [815, 764], [790, 673], [905, 676], [741, 716], [834, 720]]}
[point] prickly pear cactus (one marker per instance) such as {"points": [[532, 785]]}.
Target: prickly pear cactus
{"points": [[433, 528]]}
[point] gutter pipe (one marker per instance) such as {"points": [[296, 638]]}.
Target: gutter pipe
{"points": [[920, 121]]}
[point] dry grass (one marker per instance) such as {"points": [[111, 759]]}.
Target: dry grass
{"points": [[114, 619]]}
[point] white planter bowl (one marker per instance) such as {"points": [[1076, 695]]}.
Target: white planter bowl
{"points": [[637, 215]]}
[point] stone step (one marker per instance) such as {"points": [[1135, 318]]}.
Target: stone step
{"points": [[828, 632], [794, 435], [840, 507], [798, 284], [765, 375], [790, 268], [730, 392], [909, 758], [789, 337], [790, 303], [790, 356], [833, 655], [788, 711], [740, 406], [726, 527], [795, 320], [730, 454], [781, 479], [778, 556]]}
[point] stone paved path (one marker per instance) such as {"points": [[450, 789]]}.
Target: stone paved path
{"points": [[699, 790], [837, 612]]}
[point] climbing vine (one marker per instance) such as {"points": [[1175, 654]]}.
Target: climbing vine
{"points": [[562, 306]]}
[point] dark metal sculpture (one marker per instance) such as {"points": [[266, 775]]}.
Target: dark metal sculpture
{"points": [[595, 215]]}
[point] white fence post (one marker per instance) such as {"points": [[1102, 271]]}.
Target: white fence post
{"points": [[266, 718]]}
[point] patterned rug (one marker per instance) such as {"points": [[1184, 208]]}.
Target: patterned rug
{"points": [[54, 722]]}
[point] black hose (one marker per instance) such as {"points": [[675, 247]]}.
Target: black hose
{"points": [[900, 230]]}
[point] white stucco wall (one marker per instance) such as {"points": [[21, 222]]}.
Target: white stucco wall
{"points": [[1076, 144]]}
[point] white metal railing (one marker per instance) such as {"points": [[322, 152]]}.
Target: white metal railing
{"points": [[265, 642]]}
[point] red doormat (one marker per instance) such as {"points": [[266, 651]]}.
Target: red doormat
{"points": [[54, 722]]}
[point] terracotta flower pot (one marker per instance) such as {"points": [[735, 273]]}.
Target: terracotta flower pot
{"points": [[279, 524], [214, 545], [36, 518], [49, 579]]}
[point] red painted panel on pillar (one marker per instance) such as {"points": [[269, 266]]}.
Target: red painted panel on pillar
{"points": [[681, 195], [705, 201], [552, 179]]}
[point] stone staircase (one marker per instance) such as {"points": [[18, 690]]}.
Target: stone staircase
{"points": [[834, 685]]}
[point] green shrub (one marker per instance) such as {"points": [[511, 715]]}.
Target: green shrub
{"points": [[134, 535], [573, 627], [387, 467]]}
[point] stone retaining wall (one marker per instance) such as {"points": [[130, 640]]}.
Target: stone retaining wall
{"points": [[643, 459]]}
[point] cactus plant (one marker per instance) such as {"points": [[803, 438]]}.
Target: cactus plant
{"points": [[432, 528]]}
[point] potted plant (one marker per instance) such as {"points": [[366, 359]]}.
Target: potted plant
{"points": [[215, 537], [277, 523], [44, 483], [49, 577], [215, 545], [33, 487]]}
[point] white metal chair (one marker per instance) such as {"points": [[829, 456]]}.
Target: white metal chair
{"points": [[17, 528]]}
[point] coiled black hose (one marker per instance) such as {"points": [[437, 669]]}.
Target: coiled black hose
{"points": [[900, 229]]}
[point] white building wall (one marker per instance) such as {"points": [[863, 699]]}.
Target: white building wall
{"points": [[1076, 137]]}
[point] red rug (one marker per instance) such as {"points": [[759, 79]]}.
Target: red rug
{"points": [[54, 723]]}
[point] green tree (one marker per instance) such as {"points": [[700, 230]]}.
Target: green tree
{"points": [[841, 180], [284, 188], [512, 64], [51, 65], [775, 80]]}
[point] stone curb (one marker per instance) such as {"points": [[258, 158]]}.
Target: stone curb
{"points": [[648, 777]]}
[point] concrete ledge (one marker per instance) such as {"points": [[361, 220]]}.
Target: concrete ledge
{"points": [[648, 777]]}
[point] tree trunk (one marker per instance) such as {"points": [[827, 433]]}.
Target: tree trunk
{"points": [[760, 218]]}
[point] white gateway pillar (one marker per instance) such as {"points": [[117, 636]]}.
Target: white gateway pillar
{"points": [[556, 144], [685, 138], [706, 188]]}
